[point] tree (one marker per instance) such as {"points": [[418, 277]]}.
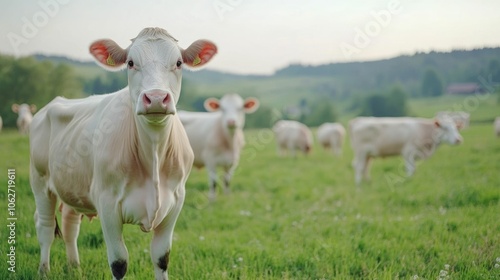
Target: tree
{"points": [[397, 102], [431, 84], [26, 80], [494, 70], [393, 104], [322, 111]]}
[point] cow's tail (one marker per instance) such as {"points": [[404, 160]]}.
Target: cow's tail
{"points": [[57, 231]]}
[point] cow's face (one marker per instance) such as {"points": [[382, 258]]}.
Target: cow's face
{"points": [[233, 109], [448, 132], [23, 109], [154, 63]]}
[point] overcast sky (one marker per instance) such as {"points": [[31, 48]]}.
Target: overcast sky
{"points": [[256, 36]]}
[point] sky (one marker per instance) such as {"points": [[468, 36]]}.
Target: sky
{"points": [[255, 36]]}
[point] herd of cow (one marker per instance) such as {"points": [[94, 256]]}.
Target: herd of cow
{"points": [[126, 156]]}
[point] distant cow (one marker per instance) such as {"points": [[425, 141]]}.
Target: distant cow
{"points": [[496, 126], [1, 123], [460, 118], [123, 156], [331, 135], [413, 138], [25, 116], [292, 136], [217, 136]]}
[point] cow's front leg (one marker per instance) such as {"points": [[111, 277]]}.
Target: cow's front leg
{"points": [[410, 166], [112, 227], [162, 238], [228, 174], [212, 181], [360, 163], [70, 229]]}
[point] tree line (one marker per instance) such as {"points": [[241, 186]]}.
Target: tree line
{"points": [[26, 80], [379, 88]]}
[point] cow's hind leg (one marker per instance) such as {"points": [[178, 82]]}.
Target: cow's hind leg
{"points": [[70, 229], [45, 219], [162, 239]]}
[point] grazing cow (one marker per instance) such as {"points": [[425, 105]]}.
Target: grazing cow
{"points": [[217, 136], [460, 118], [292, 136], [413, 138], [331, 135], [25, 116], [496, 126], [123, 156]]}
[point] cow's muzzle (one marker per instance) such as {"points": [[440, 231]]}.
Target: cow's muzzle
{"points": [[156, 102]]}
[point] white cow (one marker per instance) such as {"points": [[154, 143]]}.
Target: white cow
{"points": [[1, 123], [331, 135], [217, 136], [292, 136], [25, 116], [496, 126], [123, 156], [461, 118], [413, 138]]}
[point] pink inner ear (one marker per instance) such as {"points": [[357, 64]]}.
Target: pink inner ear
{"points": [[213, 105], [207, 52], [100, 52], [249, 104]]}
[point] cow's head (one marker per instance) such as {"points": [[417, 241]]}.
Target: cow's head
{"points": [[24, 109], [154, 62], [447, 132], [233, 109]]}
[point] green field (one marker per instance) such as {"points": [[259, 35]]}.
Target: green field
{"points": [[303, 218]]}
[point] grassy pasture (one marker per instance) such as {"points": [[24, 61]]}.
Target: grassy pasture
{"points": [[303, 218]]}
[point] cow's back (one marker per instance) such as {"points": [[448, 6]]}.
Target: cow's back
{"points": [[55, 123], [328, 131], [384, 136], [292, 134], [67, 136]]}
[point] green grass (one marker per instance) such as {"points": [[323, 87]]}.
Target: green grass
{"points": [[302, 218]]}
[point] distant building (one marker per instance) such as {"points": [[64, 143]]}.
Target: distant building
{"points": [[464, 88]]}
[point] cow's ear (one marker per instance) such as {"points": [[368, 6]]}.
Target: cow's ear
{"points": [[251, 105], [108, 54], [199, 53], [33, 108], [436, 123], [15, 108], [211, 104]]}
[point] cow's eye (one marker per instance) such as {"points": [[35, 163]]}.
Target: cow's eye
{"points": [[130, 64], [179, 63]]}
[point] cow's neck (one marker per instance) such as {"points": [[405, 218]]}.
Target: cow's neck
{"points": [[153, 144], [231, 138]]}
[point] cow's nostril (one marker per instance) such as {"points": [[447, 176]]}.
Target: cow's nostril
{"points": [[146, 99], [166, 100]]}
